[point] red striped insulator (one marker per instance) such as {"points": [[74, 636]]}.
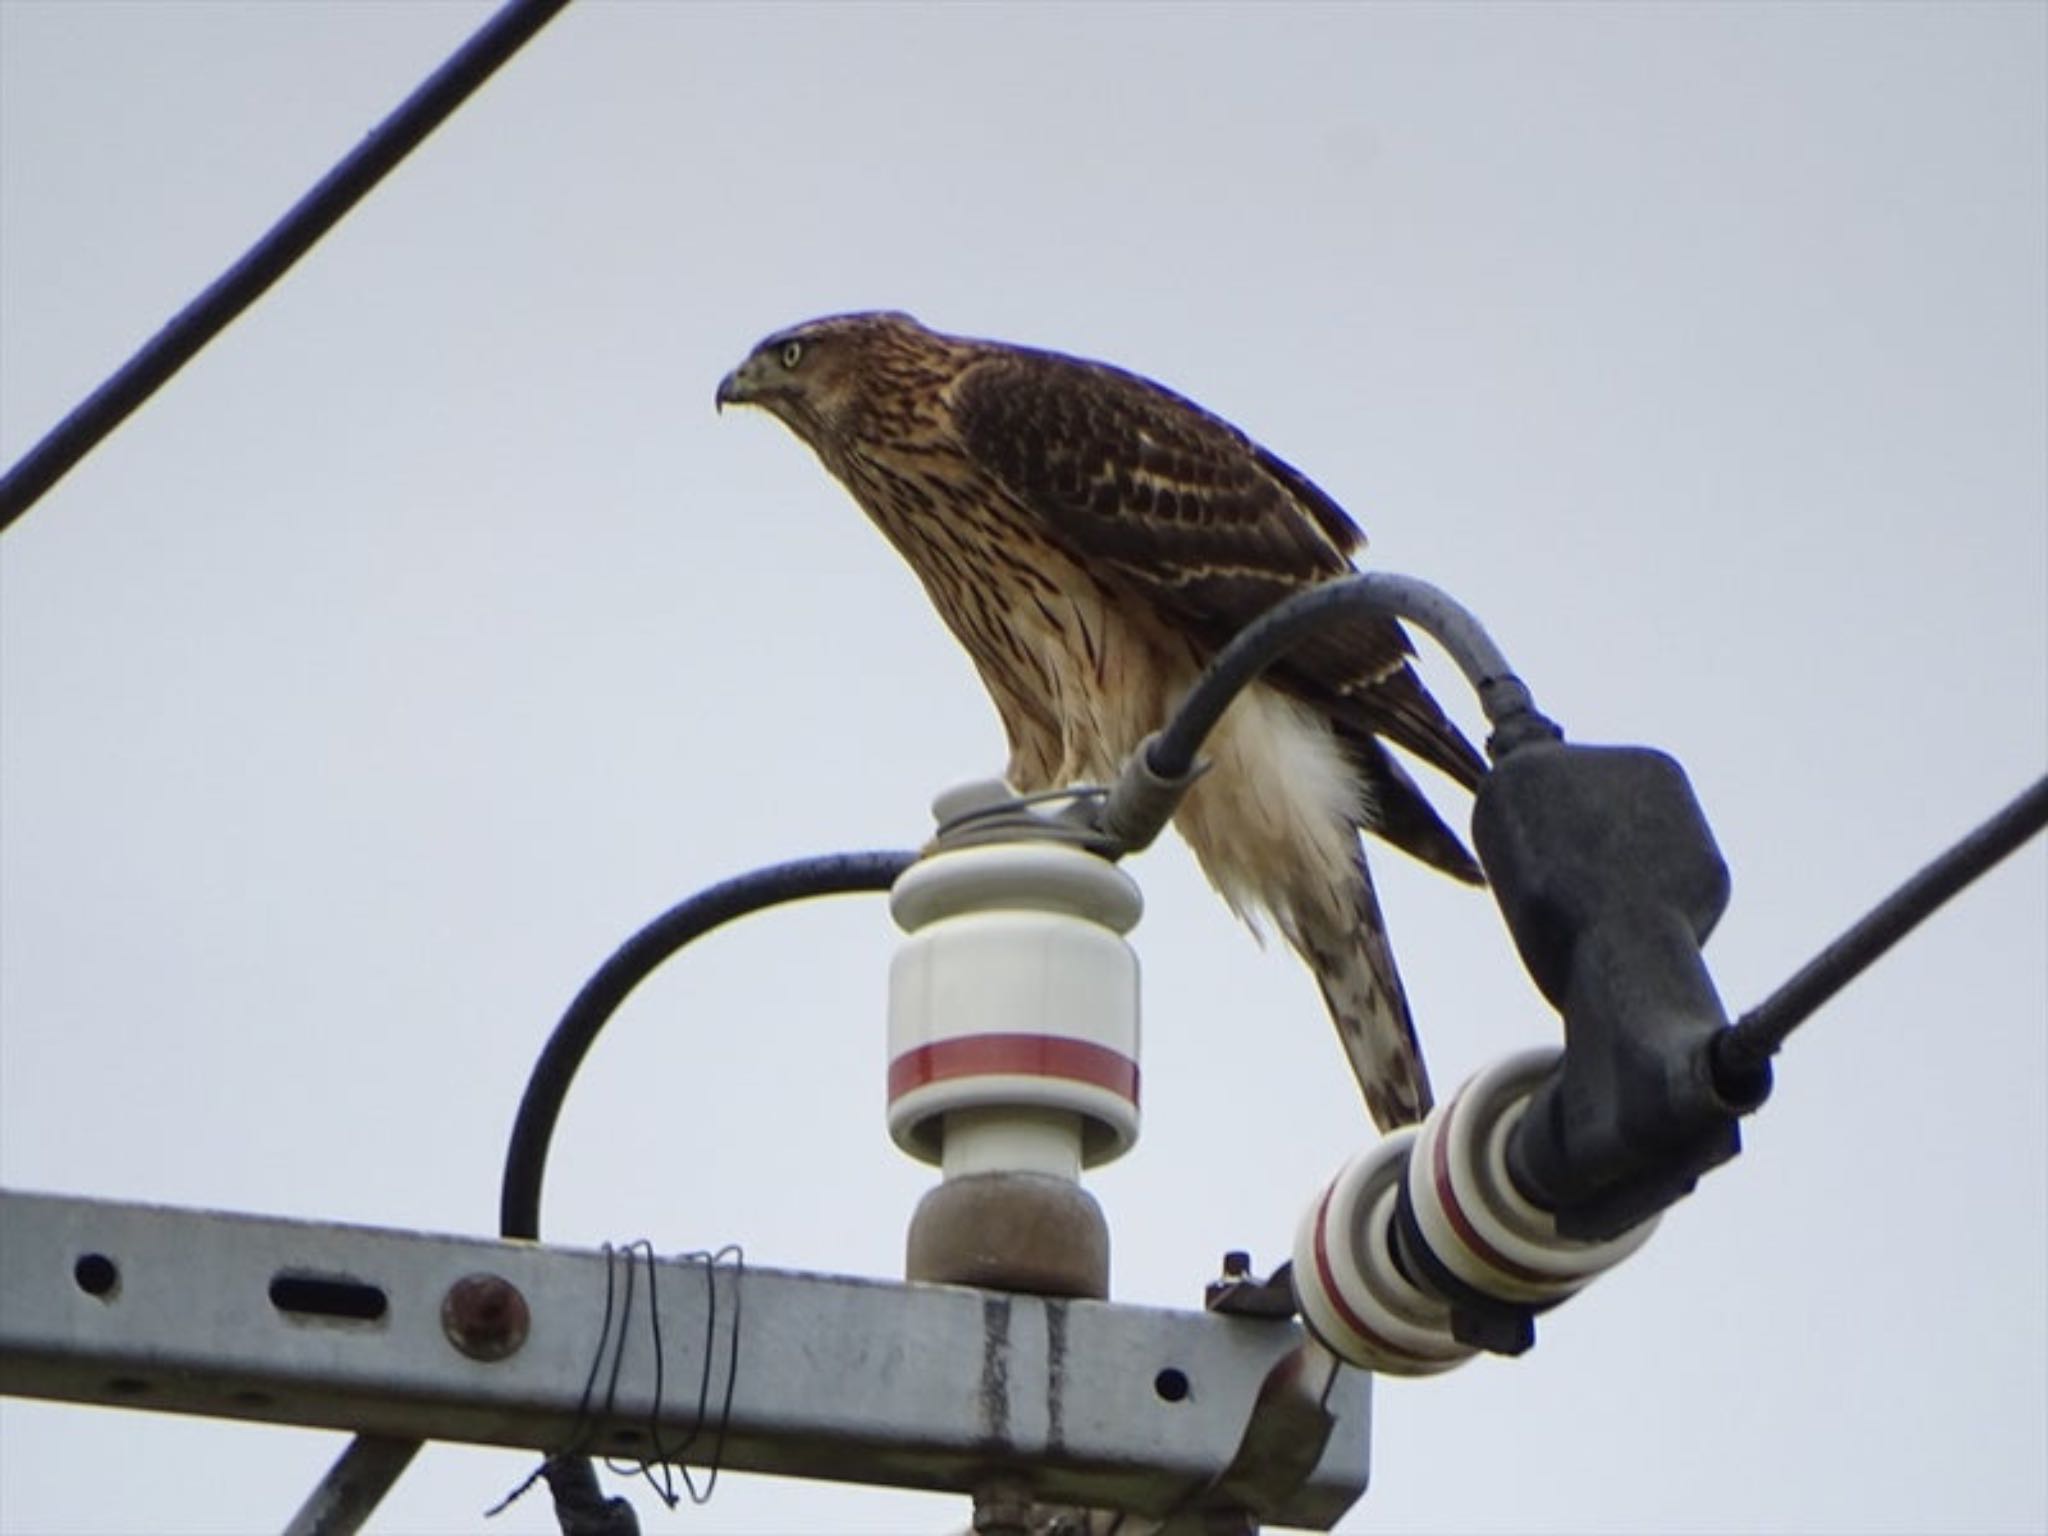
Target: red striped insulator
{"points": [[1468, 1210], [1352, 1293], [1013, 1010]]}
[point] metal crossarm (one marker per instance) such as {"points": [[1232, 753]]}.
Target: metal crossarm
{"points": [[453, 1338]]}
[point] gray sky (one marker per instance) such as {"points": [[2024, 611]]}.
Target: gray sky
{"points": [[430, 633]]}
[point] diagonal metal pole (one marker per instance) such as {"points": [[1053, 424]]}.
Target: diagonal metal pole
{"points": [[354, 1485], [272, 256]]}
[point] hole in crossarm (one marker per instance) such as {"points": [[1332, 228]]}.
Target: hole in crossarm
{"points": [[1171, 1384], [326, 1298], [97, 1275]]}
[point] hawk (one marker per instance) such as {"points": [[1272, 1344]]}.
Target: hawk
{"points": [[1093, 539]]}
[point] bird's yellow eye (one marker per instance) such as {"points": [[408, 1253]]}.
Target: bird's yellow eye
{"points": [[792, 353]]}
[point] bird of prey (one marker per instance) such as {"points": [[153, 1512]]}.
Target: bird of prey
{"points": [[1093, 539]]}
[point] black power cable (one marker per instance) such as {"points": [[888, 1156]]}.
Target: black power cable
{"points": [[579, 1506], [526, 1158], [1585, 844], [1758, 1034], [273, 255]]}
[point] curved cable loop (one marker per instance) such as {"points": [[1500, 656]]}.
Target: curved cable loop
{"points": [[1158, 774], [527, 1154]]}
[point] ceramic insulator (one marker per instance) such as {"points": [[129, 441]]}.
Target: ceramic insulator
{"points": [[1469, 1212], [1013, 1010], [1354, 1293]]}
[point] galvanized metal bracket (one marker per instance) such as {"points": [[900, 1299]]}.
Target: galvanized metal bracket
{"points": [[415, 1336]]}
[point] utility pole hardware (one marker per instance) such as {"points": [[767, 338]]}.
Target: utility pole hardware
{"points": [[999, 1368]]}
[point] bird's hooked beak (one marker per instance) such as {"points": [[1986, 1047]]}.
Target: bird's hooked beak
{"points": [[739, 386]]}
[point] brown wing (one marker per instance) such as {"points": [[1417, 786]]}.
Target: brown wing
{"points": [[1191, 513]]}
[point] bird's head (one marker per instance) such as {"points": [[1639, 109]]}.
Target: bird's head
{"points": [[820, 378]]}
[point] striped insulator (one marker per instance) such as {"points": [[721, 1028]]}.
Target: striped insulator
{"points": [[1475, 1227], [1353, 1295], [1471, 1216], [1013, 1009]]}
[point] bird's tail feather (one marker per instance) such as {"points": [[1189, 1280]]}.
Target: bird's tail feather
{"points": [[1275, 825], [1342, 936]]}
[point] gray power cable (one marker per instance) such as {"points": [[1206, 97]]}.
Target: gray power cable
{"points": [[1160, 772]]}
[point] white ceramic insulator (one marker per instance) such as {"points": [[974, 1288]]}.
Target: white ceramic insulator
{"points": [[1014, 995], [1352, 1294], [1468, 1209], [1011, 1140]]}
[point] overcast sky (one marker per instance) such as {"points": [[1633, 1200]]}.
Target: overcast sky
{"points": [[430, 632]]}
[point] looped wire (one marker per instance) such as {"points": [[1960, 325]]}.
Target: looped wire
{"points": [[1017, 818], [621, 1268], [668, 1457]]}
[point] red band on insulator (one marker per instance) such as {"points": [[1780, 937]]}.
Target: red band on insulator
{"points": [[1447, 1197], [1352, 1320], [1077, 1061]]}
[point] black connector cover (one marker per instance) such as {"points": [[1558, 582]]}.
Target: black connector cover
{"points": [[1610, 882]]}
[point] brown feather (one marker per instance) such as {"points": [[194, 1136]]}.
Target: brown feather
{"points": [[1199, 518]]}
